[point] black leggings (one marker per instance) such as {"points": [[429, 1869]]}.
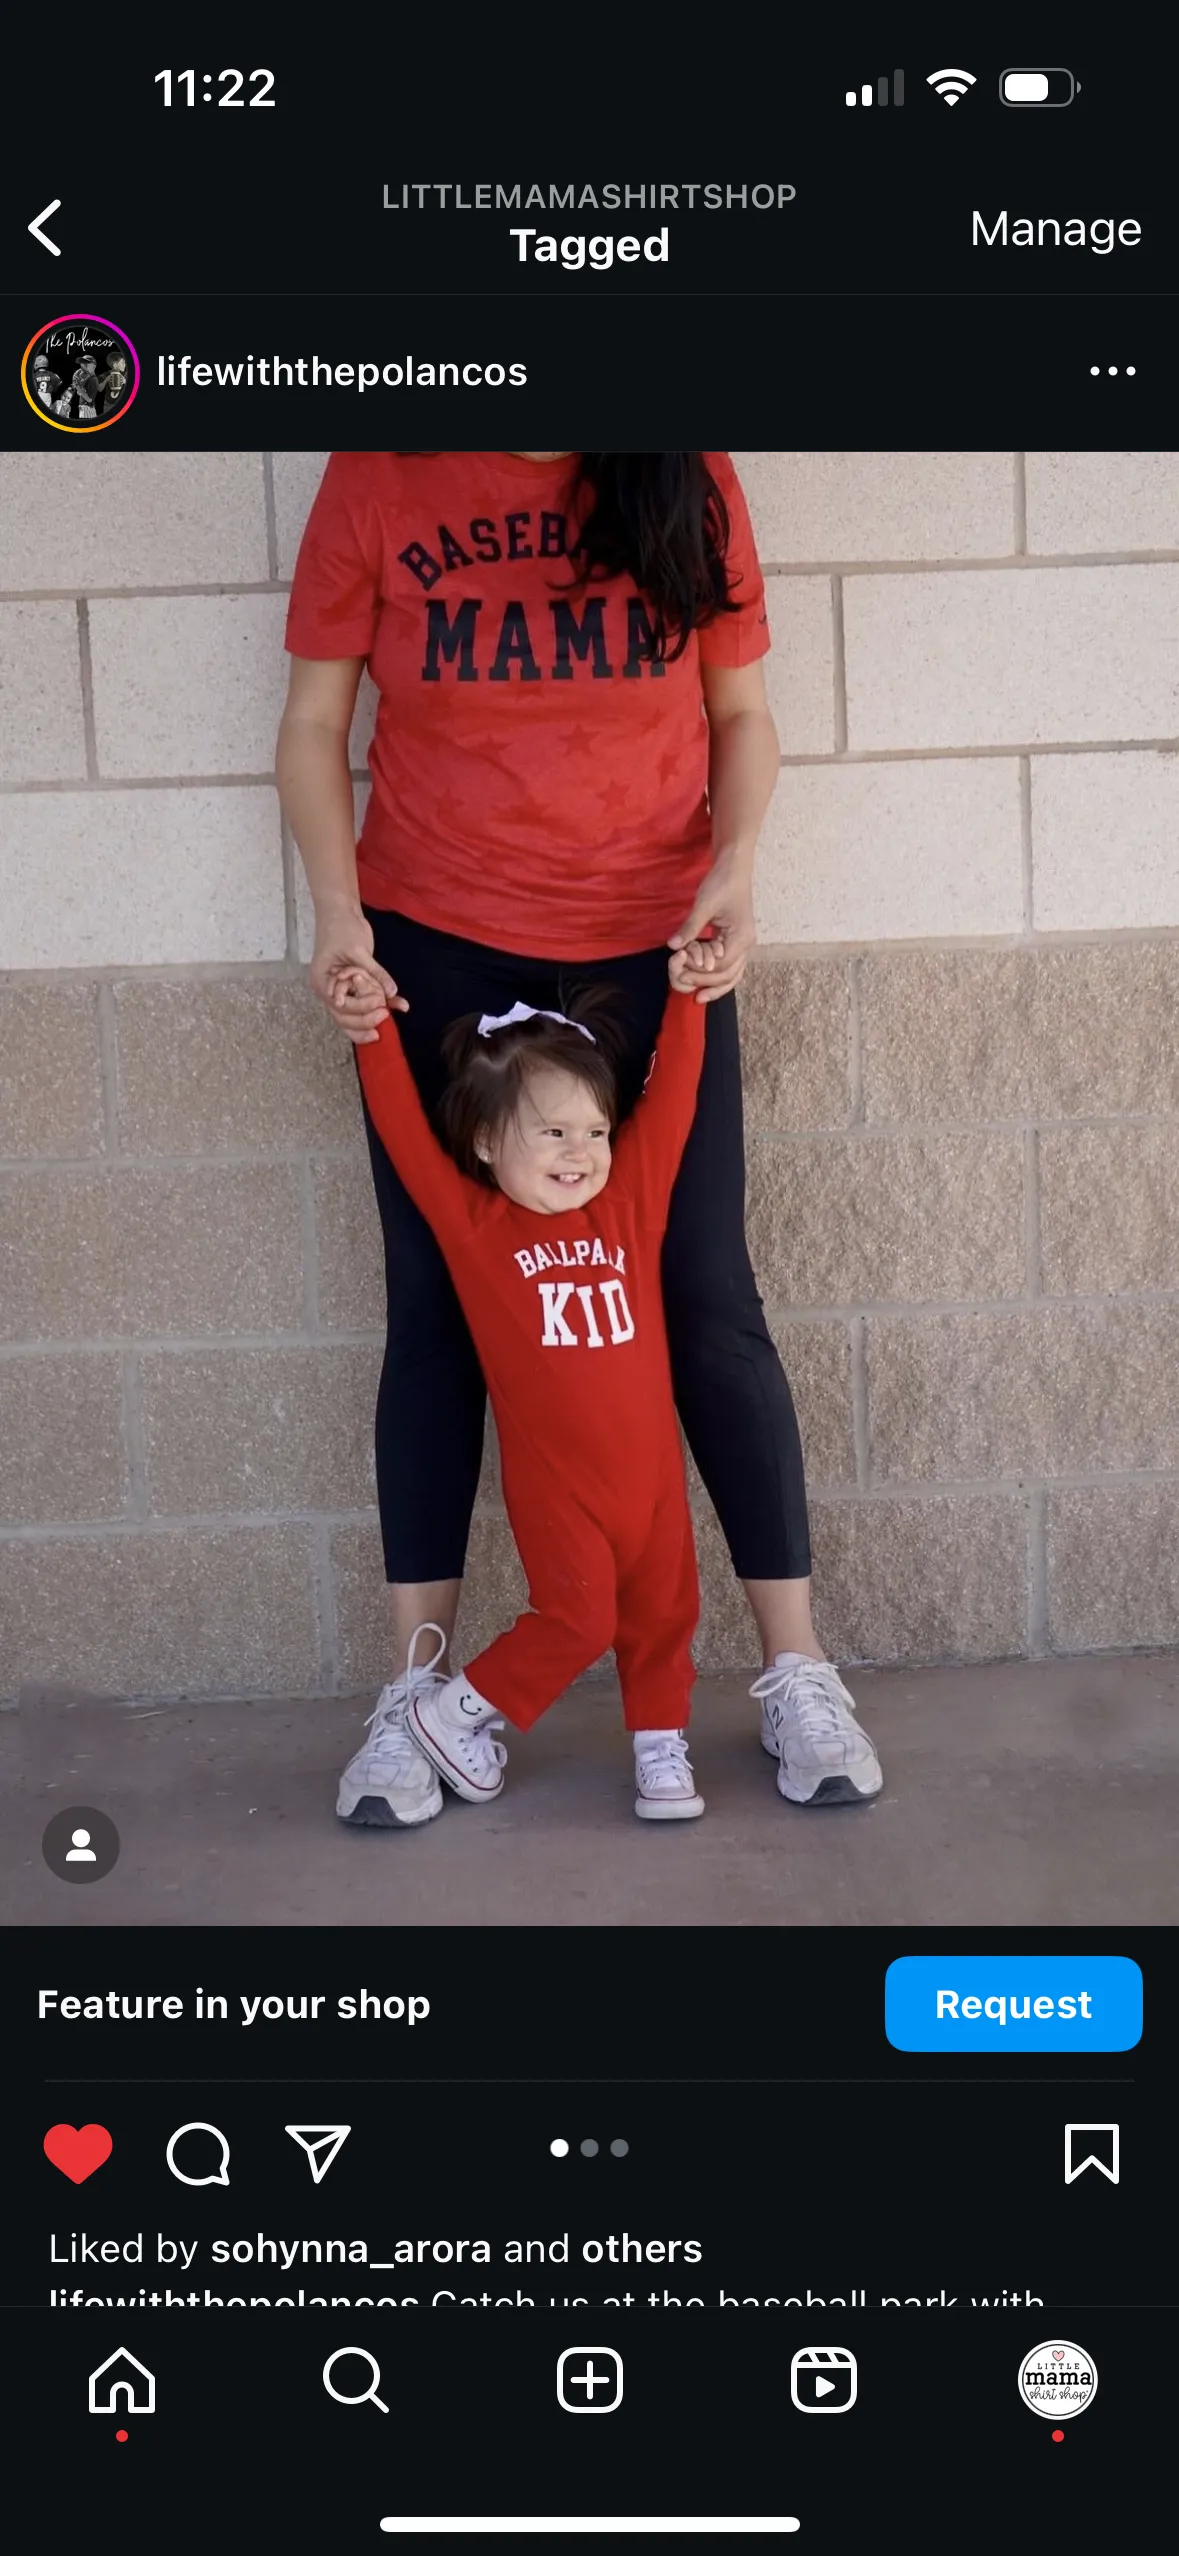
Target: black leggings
{"points": [[732, 1396]]}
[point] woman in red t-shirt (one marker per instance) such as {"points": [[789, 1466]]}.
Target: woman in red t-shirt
{"points": [[572, 759]]}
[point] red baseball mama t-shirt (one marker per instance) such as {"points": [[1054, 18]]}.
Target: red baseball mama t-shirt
{"points": [[538, 778]]}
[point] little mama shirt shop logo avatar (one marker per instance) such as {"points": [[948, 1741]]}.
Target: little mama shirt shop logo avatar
{"points": [[1058, 2380], [80, 373]]}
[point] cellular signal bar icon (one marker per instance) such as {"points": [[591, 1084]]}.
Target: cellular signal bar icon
{"points": [[875, 92]]}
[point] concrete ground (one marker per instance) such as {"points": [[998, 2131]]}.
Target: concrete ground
{"points": [[1029, 1793]]}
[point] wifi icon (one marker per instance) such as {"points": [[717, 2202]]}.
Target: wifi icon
{"points": [[951, 85]]}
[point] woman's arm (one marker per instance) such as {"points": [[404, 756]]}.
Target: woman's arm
{"points": [[743, 761], [315, 787]]}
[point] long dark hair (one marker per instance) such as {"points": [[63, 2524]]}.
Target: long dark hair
{"points": [[660, 519], [487, 1077]]}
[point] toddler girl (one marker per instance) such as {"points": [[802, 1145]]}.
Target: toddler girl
{"points": [[553, 1236]]}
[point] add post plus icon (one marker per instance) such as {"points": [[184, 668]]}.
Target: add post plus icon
{"points": [[321, 2142], [589, 2382]]}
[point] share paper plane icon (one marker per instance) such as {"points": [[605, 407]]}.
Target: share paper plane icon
{"points": [[320, 2141]]}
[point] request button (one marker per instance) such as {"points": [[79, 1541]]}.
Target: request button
{"points": [[1033, 2001]]}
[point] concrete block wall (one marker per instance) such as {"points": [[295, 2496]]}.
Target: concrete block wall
{"points": [[961, 1059]]}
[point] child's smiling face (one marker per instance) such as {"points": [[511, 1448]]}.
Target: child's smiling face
{"points": [[556, 1152]]}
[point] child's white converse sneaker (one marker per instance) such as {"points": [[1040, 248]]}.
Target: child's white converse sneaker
{"points": [[452, 1726], [808, 1722], [389, 1784], [665, 1787]]}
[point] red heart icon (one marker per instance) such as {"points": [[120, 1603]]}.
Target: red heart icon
{"points": [[77, 2153]]}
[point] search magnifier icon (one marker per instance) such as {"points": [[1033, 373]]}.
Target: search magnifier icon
{"points": [[368, 2395]]}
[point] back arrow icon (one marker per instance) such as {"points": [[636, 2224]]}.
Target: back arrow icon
{"points": [[43, 216]]}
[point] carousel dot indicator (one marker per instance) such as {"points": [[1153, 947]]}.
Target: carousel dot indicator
{"points": [[558, 2147]]}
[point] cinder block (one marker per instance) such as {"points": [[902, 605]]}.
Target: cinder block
{"points": [[141, 878], [922, 1579], [835, 508], [1111, 1568], [910, 1218], [1109, 1207], [914, 1579], [946, 1033], [995, 1034], [76, 520], [123, 1254], [1102, 501], [891, 851], [1005, 657], [249, 1063], [795, 1044], [62, 1456], [41, 736], [1066, 1389], [348, 1247], [1103, 1027], [1104, 833], [1112, 1581], [187, 684], [296, 479], [800, 671], [50, 1074], [259, 1429], [225, 1613]]}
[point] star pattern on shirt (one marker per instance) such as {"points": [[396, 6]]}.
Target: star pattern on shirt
{"points": [[613, 797]]}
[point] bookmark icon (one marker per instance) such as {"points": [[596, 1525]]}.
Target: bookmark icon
{"points": [[1092, 2143]]}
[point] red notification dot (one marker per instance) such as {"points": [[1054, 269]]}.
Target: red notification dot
{"points": [[122, 2436], [1058, 2436]]}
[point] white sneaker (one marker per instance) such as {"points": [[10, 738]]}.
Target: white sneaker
{"points": [[664, 1784], [808, 1722], [388, 1783], [452, 1727]]}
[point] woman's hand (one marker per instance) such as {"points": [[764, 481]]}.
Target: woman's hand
{"points": [[345, 975], [720, 925]]}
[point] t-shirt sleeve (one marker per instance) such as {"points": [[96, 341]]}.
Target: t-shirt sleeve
{"points": [[336, 593], [649, 1147], [737, 638], [435, 1184]]}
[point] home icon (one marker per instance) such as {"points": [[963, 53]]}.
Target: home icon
{"points": [[122, 2386]]}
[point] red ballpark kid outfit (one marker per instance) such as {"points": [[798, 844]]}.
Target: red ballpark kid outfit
{"points": [[566, 1313]]}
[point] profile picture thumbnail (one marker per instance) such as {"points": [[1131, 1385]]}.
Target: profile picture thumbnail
{"points": [[80, 373]]}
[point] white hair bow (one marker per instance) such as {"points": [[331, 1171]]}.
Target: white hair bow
{"points": [[529, 1012]]}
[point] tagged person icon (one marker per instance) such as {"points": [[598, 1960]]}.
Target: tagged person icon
{"points": [[81, 1850]]}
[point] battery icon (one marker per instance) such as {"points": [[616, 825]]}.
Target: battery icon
{"points": [[1038, 88]]}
